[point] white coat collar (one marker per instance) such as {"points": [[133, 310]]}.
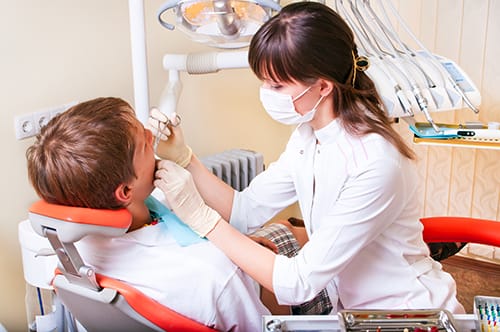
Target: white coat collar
{"points": [[327, 134]]}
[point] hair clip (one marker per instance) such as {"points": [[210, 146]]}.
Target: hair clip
{"points": [[361, 63]]}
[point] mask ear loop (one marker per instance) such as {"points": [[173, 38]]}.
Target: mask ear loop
{"points": [[360, 63], [301, 94]]}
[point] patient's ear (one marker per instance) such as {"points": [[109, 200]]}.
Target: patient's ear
{"points": [[123, 193]]}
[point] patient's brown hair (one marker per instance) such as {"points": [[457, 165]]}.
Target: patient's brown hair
{"points": [[82, 155]]}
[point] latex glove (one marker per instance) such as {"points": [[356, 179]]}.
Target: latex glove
{"points": [[170, 139], [184, 199]]}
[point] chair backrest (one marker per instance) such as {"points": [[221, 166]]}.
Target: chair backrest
{"points": [[461, 229], [99, 303]]}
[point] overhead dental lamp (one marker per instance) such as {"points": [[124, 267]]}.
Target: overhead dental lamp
{"points": [[219, 23]]}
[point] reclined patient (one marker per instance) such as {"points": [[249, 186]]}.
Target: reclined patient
{"points": [[98, 155]]}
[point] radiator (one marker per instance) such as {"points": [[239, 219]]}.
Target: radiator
{"points": [[236, 167]]}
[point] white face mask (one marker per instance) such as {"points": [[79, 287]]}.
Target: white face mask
{"points": [[281, 108]]}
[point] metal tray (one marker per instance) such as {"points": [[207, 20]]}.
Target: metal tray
{"points": [[396, 320]]}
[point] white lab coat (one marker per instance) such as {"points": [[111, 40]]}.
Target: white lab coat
{"points": [[358, 198], [198, 280]]}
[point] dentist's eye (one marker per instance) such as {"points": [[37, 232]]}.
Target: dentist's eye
{"points": [[272, 85]]}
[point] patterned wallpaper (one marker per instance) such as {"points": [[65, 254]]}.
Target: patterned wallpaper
{"points": [[460, 181]]}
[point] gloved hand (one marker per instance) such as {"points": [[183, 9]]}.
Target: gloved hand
{"points": [[170, 143], [180, 191]]}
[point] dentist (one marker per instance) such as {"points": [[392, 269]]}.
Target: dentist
{"points": [[351, 173]]}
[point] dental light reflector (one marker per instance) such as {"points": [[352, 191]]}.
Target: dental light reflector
{"points": [[219, 23]]}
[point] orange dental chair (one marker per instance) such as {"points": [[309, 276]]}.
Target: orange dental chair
{"points": [[97, 302]]}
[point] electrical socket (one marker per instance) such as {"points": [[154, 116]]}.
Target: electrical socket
{"points": [[24, 126], [41, 118], [30, 124]]}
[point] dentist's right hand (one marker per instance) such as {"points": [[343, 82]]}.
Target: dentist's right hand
{"points": [[182, 196], [171, 145]]}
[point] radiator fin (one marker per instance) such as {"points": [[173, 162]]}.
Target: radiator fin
{"points": [[236, 167]]}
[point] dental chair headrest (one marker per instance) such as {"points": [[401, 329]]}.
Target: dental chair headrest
{"points": [[73, 223]]}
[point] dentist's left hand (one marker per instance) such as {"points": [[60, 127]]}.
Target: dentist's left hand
{"points": [[180, 191]]}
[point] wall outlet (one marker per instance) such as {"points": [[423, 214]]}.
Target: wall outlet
{"points": [[24, 126], [29, 125], [41, 118]]}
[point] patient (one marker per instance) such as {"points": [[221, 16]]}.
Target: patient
{"points": [[98, 155]]}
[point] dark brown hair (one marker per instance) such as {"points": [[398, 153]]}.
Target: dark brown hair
{"points": [[83, 154], [306, 41]]}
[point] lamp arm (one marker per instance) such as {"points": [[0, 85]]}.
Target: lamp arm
{"points": [[171, 93], [194, 63], [139, 59], [206, 62]]}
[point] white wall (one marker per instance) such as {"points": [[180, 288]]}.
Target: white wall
{"points": [[54, 52]]}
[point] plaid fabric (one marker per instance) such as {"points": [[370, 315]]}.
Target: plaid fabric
{"points": [[288, 246], [281, 236]]}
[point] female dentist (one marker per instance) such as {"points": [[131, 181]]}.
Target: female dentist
{"points": [[350, 171]]}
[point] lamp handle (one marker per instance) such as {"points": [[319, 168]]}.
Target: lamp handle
{"points": [[163, 8]]}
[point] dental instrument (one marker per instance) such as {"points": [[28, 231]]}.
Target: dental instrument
{"points": [[439, 63], [406, 79], [391, 55], [380, 72], [174, 122]]}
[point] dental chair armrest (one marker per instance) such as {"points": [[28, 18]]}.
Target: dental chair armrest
{"points": [[73, 223], [156, 313], [150, 309], [461, 229]]}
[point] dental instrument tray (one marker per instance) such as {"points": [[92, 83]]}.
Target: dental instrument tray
{"points": [[425, 130], [399, 320], [456, 135]]}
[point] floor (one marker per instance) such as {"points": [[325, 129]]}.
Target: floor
{"points": [[473, 278]]}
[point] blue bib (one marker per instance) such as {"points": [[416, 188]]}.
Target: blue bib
{"points": [[181, 232]]}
